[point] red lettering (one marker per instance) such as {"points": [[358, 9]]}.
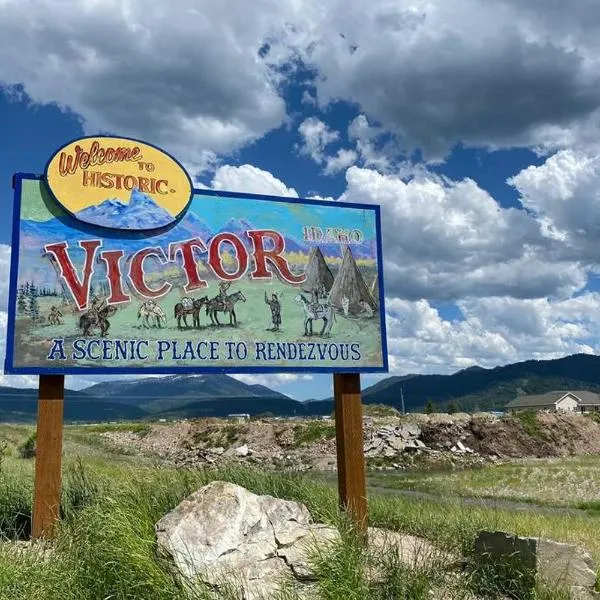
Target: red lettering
{"points": [[190, 267], [112, 259], [80, 290], [129, 182], [159, 184], [66, 164], [136, 272], [215, 261], [89, 178], [106, 180], [273, 257], [143, 184]]}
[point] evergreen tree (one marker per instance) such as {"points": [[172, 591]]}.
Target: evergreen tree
{"points": [[429, 407], [21, 303], [452, 407], [34, 308]]}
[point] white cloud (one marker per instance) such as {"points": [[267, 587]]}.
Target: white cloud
{"points": [[4, 274], [340, 161], [564, 193], [373, 153], [188, 76], [316, 136], [204, 78], [495, 331], [448, 240], [250, 179], [494, 74]]}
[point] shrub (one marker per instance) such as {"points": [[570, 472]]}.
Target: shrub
{"points": [[27, 448]]}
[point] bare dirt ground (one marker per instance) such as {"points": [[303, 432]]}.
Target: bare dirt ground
{"points": [[414, 440]]}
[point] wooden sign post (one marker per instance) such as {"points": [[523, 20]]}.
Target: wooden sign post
{"points": [[350, 453], [48, 458]]}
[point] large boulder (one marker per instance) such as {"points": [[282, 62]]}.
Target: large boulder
{"points": [[538, 560], [223, 536]]}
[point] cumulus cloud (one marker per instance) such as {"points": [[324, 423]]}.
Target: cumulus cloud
{"points": [[564, 194], [4, 274], [189, 77], [492, 332], [446, 240], [205, 78], [250, 179], [491, 74]]}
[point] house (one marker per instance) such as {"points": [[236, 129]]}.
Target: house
{"points": [[239, 417], [566, 401]]}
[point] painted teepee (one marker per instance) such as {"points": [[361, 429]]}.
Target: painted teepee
{"points": [[317, 272], [375, 289], [349, 283]]}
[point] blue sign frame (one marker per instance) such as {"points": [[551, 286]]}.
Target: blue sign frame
{"points": [[11, 368]]}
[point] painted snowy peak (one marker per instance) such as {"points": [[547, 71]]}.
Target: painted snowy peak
{"points": [[141, 212]]}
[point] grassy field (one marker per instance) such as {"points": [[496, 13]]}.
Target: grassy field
{"points": [[572, 482], [105, 544], [254, 322]]}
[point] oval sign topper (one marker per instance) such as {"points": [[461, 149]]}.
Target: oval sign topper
{"points": [[118, 183]]}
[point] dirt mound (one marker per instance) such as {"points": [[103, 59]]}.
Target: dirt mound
{"points": [[519, 436], [300, 445]]}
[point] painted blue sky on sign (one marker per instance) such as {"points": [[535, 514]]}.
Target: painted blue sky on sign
{"points": [[484, 159]]}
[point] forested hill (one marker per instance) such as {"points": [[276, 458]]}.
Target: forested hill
{"points": [[486, 389]]}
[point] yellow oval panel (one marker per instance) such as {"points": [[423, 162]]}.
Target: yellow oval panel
{"points": [[118, 183]]}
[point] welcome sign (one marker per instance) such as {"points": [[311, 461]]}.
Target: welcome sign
{"points": [[118, 265]]}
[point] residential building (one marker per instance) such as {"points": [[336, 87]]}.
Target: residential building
{"points": [[566, 401]]}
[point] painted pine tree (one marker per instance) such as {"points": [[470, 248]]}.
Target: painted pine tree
{"points": [[34, 307], [22, 308]]}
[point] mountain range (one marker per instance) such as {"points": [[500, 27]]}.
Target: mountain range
{"points": [[141, 212], [180, 396]]}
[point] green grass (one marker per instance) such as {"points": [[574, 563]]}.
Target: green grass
{"points": [[142, 429], [569, 482], [530, 423], [313, 431], [105, 545], [218, 435]]}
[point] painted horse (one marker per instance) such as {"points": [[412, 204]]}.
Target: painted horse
{"points": [[226, 305], [189, 306], [97, 318], [150, 312], [314, 312]]}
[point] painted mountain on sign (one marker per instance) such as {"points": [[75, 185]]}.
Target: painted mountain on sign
{"points": [[141, 212]]}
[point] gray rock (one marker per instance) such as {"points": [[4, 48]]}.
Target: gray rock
{"points": [[554, 563], [218, 451], [397, 444], [226, 537], [242, 450], [223, 530], [410, 430], [374, 445], [385, 432]]}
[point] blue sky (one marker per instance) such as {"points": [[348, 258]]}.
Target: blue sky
{"points": [[473, 124]]}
